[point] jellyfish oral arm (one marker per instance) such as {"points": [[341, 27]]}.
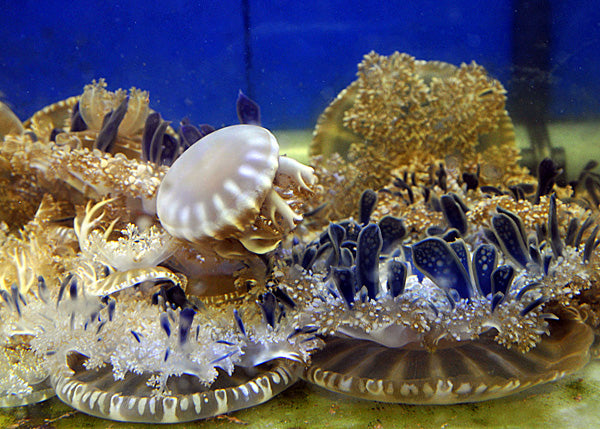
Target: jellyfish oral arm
{"points": [[301, 174], [274, 204]]}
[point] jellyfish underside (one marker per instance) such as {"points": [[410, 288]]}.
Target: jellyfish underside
{"points": [[97, 393], [456, 372], [40, 392]]}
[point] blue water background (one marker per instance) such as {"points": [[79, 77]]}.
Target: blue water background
{"points": [[193, 57]]}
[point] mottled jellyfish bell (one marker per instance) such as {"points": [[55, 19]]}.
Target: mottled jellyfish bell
{"points": [[467, 371], [449, 321], [453, 370], [97, 393], [164, 366], [218, 187]]}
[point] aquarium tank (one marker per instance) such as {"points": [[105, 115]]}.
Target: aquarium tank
{"points": [[300, 214]]}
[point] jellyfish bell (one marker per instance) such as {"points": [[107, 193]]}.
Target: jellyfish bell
{"points": [[222, 187], [144, 363], [459, 316]]}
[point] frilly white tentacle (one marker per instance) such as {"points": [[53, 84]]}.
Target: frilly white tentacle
{"points": [[134, 249]]}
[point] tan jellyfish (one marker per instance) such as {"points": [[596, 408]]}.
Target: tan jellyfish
{"points": [[402, 115], [231, 184]]}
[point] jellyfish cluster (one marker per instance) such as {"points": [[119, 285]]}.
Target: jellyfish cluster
{"points": [[158, 273]]}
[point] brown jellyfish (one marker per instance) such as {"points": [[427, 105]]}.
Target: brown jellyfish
{"points": [[409, 114]]}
